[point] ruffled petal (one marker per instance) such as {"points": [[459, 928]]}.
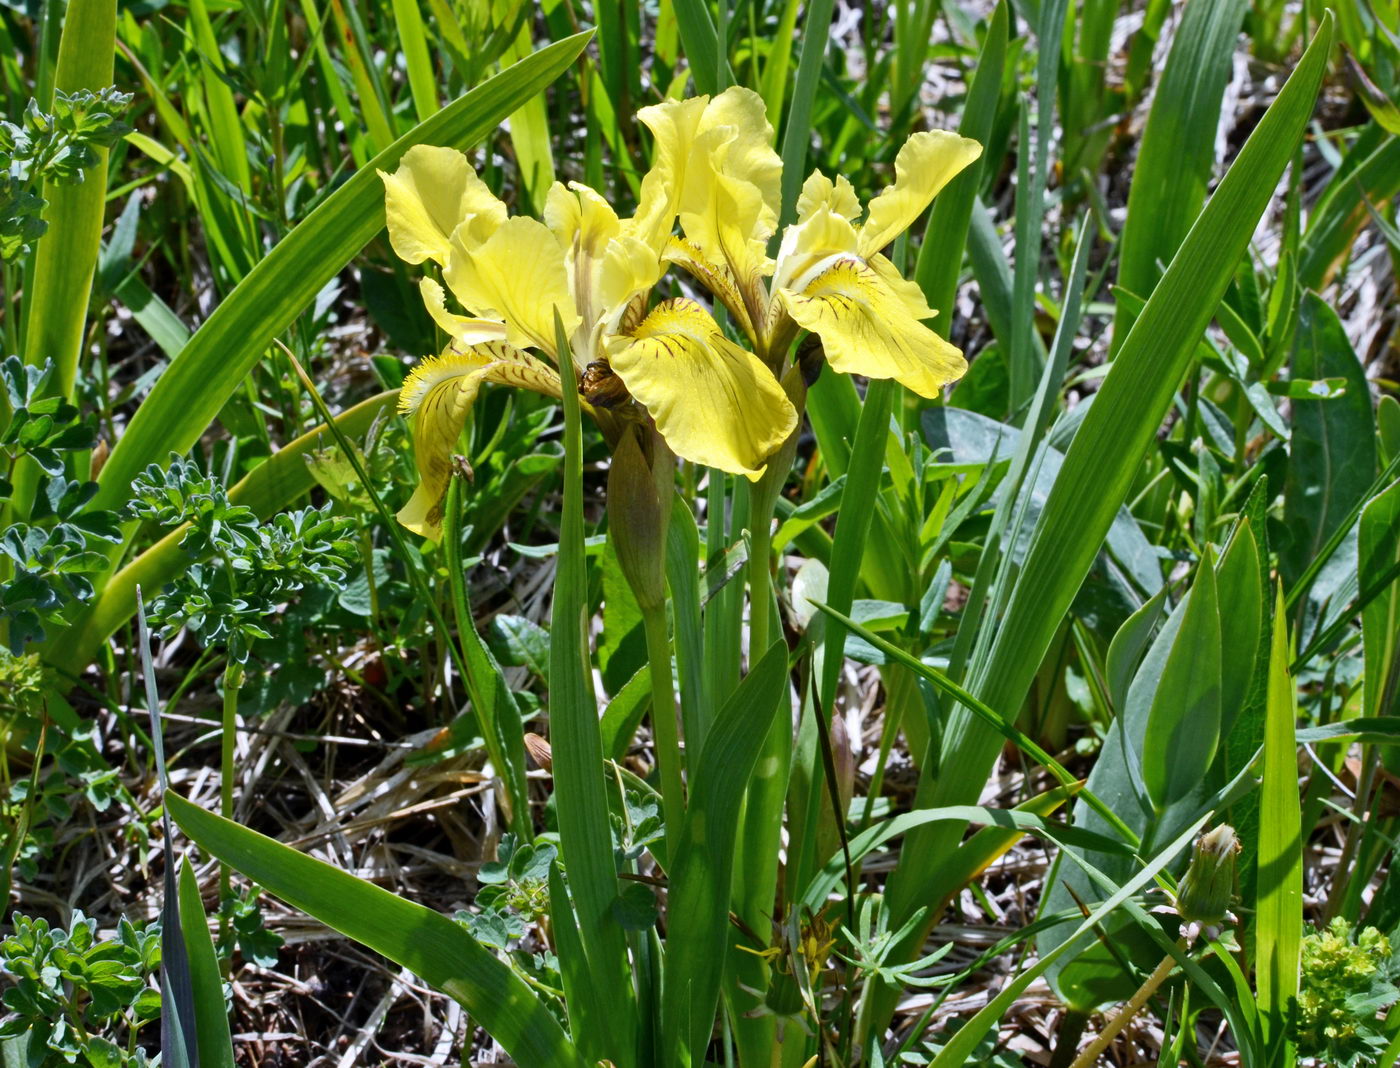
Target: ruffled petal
{"points": [[673, 124], [869, 327], [713, 402], [432, 193], [819, 191], [927, 162], [517, 275], [437, 397]]}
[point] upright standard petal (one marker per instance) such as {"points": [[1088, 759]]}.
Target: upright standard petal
{"points": [[713, 402], [819, 191], [673, 124], [870, 326], [516, 275], [437, 397], [927, 162], [434, 191]]}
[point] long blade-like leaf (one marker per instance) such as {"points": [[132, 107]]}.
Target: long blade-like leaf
{"points": [[434, 948]]}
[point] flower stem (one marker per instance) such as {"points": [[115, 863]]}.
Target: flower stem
{"points": [[1090, 1055], [663, 724]]}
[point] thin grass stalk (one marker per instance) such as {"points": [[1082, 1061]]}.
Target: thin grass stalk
{"points": [[500, 719]]}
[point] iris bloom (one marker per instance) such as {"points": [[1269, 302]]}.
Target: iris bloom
{"points": [[829, 276], [712, 401]]}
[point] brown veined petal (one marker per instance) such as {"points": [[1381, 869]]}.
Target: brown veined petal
{"points": [[867, 328], [713, 402], [927, 162], [516, 275], [433, 191], [437, 397], [716, 277]]}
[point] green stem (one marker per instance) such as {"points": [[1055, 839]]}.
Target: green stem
{"points": [[233, 681], [1090, 1055], [760, 573], [663, 725]]}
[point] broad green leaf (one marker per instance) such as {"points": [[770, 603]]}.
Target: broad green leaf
{"points": [[189, 395], [1183, 725], [56, 302], [1332, 452], [1128, 645], [585, 835], [434, 948]]}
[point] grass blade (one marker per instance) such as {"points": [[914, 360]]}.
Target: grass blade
{"points": [[585, 836], [1177, 158], [212, 1037], [434, 948], [1279, 904], [1106, 453]]}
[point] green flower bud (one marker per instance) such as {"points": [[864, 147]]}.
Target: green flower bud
{"points": [[1209, 884], [639, 506]]}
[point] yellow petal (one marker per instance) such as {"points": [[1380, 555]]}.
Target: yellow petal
{"points": [[868, 327], [581, 220], [629, 267], [517, 275], [713, 402], [437, 397], [698, 142], [673, 124], [927, 162], [433, 191], [818, 191], [460, 328]]}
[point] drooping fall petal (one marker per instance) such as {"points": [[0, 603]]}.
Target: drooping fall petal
{"points": [[434, 191], [713, 402], [870, 326], [517, 275], [437, 397], [927, 162]]}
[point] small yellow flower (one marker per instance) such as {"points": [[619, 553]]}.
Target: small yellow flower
{"points": [[713, 402]]}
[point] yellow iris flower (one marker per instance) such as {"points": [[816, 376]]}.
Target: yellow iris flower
{"points": [[829, 276], [712, 401]]}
